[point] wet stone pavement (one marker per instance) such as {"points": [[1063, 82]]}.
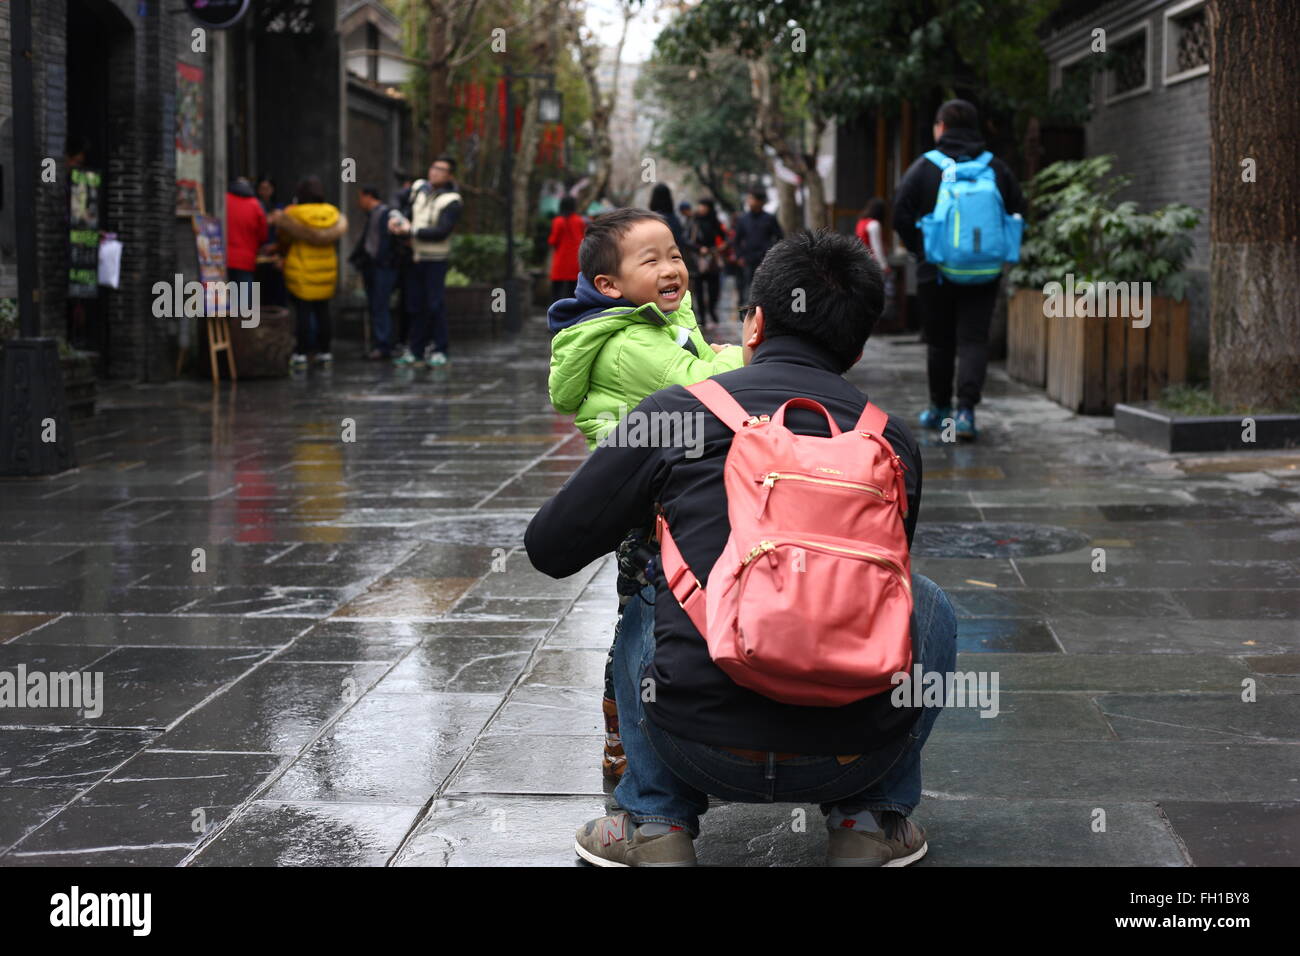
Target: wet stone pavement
{"points": [[361, 668]]}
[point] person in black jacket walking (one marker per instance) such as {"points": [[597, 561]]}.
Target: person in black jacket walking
{"points": [[699, 733], [756, 232], [955, 318], [377, 257]]}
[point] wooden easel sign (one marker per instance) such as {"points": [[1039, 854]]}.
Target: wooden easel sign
{"points": [[211, 247]]}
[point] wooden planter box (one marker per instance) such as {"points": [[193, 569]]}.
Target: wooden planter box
{"points": [[1095, 363], [469, 311], [1027, 338]]}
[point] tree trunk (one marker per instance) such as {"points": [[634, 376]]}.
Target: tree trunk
{"points": [[525, 157], [602, 103], [789, 213], [1254, 209], [439, 83]]}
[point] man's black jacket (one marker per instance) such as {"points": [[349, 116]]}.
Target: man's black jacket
{"points": [[918, 191], [617, 489], [756, 232]]}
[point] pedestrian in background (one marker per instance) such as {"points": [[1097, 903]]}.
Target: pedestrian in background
{"points": [[308, 231], [708, 242], [269, 265], [377, 258], [567, 230], [246, 231], [756, 232], [435, 207]]}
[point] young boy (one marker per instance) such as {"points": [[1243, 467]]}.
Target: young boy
{"points": [[628, 332]]}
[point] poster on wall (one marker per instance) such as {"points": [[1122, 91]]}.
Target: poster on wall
{"points": [[189, 139], [83, 233]]}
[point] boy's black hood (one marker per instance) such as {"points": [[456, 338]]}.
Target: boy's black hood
{"points": [[586, 303], [961, 143]]}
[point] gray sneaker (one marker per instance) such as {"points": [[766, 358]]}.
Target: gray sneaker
{"points": [[616, 841], [901, 843]]}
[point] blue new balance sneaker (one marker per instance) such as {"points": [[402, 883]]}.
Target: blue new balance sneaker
{"points": [[966, 424], [933, 417]]}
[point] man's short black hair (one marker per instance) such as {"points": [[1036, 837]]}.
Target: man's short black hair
{"points": [[821, 286], [958, 114], [444, 158], [372, 191], [599, 254], [759, 194]]}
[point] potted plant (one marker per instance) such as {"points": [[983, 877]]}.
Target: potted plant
{"points": [[1099, 315], [477, 269]]}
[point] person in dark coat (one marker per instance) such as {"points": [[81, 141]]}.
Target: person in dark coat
{"points": [[377, 257], [955, 318]]}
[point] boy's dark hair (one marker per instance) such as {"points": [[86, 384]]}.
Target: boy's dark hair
{"points": [[958, 114], [599, 253], [371, 191], [310, 189], [444, 158], [568, 206], [759, 194], [842, 292], [874, 209]]}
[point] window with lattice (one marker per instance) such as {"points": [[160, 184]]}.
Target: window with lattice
{"points": [[287, 17], [1187, 41], [1128, 65]]}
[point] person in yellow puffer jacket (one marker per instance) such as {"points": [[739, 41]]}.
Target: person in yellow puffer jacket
{"points": [[308, 230]]}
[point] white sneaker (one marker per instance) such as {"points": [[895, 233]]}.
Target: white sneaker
{"points": [[324, 358], [297, 360], [435, 359]]}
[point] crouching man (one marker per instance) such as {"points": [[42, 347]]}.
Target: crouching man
{"points": [[690, 730]]}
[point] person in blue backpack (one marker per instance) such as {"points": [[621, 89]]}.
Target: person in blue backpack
{"points": [[958, 209]]}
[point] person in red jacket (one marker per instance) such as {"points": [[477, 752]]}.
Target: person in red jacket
{"points": [[567, 230], [246, 230]]}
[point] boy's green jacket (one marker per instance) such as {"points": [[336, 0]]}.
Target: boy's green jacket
{"points": [[607, 355]]}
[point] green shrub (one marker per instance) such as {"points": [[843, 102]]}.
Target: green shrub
{"points": [[481, 257], [1075, 226]]}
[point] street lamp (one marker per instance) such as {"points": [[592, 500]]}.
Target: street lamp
{"points": [[550, 107]]}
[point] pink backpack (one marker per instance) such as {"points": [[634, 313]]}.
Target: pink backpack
{"points": [[810, 601]]}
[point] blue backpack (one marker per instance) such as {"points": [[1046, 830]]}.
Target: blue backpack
{"points": [[969, 234]]}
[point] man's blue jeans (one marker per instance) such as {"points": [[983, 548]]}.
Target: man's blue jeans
{"points": [[379, 282], [669, 779]]}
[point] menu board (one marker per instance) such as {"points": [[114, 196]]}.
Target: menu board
{"points": [[211, 247]]}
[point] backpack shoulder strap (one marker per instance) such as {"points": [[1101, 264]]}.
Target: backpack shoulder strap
{"points": [[983, 159], [873, 420], [942, 160], [719, 401]]}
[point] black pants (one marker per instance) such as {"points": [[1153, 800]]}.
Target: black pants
{"points": [[956, 322], [313, 317], [707, 286], [424, 297]]}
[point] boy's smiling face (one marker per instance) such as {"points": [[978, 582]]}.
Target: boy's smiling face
{"points": [[650, 268]]}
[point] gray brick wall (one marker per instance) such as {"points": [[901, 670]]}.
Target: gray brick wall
{"points": [[8, 277], [1160, 138]]}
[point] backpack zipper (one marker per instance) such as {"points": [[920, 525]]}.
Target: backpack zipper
{"points": [[763, 547], [770, 479]]}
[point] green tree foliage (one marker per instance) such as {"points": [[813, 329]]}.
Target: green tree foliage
{"points": [[1076, 226], [702, 121]]}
